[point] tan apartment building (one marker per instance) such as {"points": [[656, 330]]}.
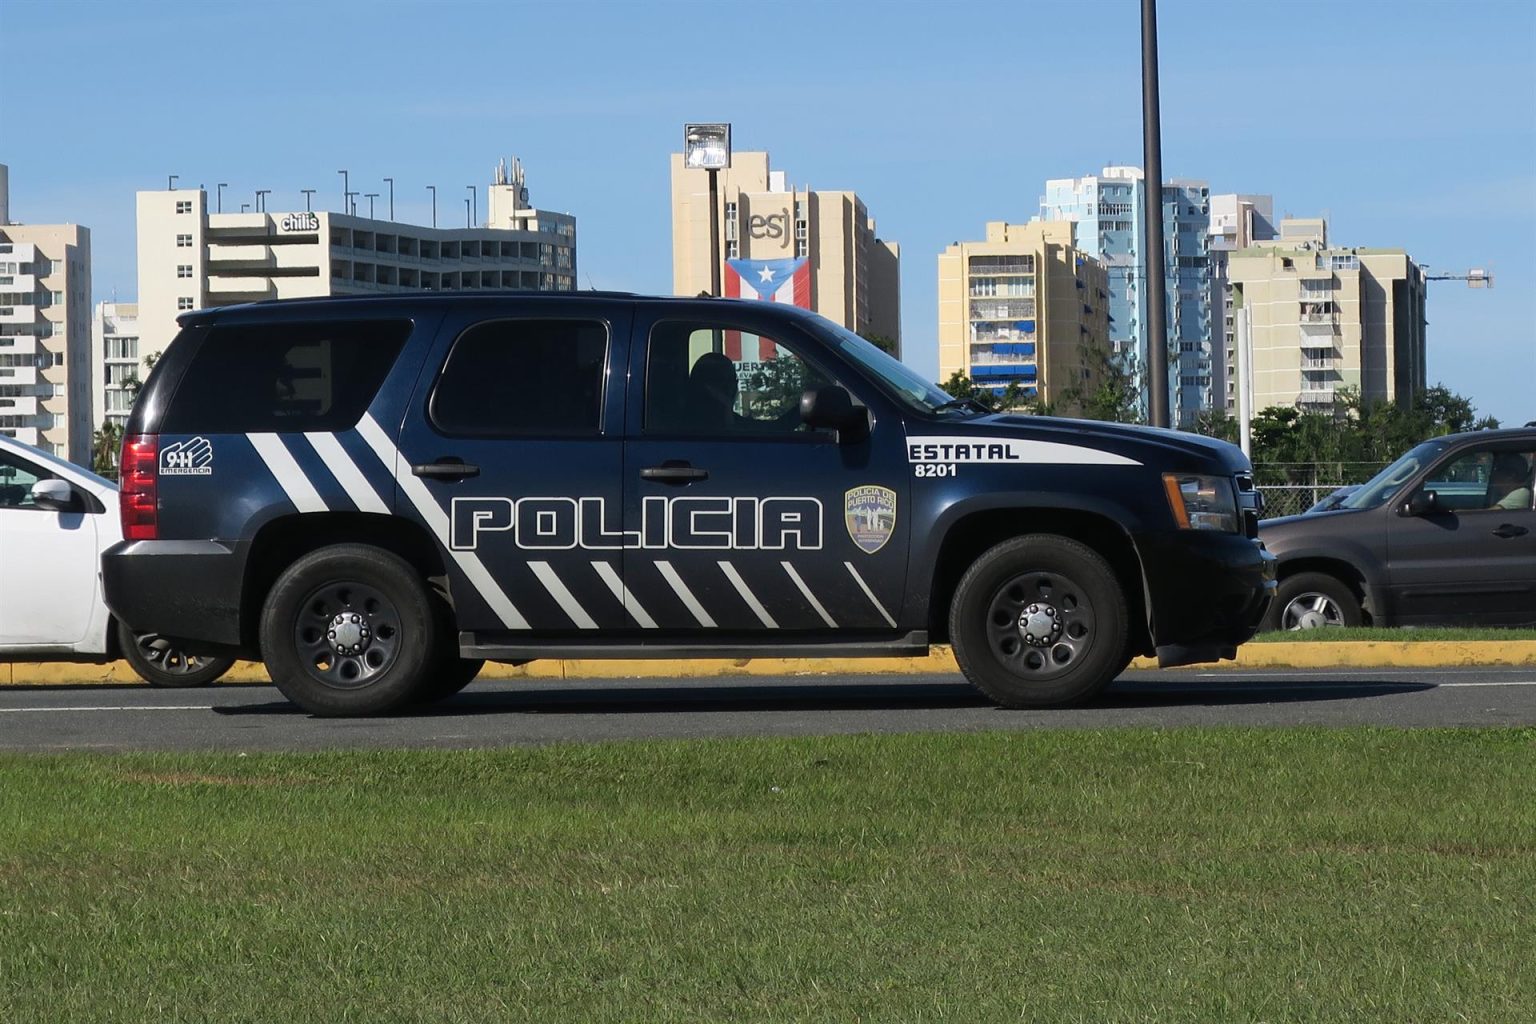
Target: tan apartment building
{"points": [[45, 334], [1310, 320], [1023, 306], [854, 277], [190, 258]]}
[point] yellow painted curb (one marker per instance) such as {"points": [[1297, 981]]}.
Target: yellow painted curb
{"points": [[1315, 655]]}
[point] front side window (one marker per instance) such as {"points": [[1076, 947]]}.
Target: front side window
{"points": [[16, 481], [712, 379], [524, 378], [1483, 480]]}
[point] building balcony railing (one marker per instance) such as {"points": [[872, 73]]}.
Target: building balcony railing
{"points": [[1320, 318], [1317, 362]]}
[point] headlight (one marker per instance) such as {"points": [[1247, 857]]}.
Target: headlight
{"points": [[1201, 502]]}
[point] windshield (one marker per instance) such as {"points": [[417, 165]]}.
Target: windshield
{"points": [[896, 378], [1383, 485]]}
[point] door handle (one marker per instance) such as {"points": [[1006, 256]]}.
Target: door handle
{"points": [[1510, 530], [673, 473], [445, 469]]}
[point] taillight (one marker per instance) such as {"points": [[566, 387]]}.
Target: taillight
{"points": [[136, 489]]}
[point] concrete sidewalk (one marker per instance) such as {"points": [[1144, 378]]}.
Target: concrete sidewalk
{"points": [[1304, 655]]}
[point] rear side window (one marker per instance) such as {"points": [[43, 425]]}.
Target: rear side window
{"points": [[523, 378], [280, 377]]}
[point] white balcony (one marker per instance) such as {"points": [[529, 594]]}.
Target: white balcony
{"points": [[244, 255], [18, 314], [18, 406], [20, 345], [243, 289], [18, 375]]}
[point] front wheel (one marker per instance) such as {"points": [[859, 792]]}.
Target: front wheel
{"points": [[1312, 600], [1040, 621], [159, 662], [350, 630]]}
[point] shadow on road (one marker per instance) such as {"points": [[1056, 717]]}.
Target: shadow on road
{"points": [[604, 699]]}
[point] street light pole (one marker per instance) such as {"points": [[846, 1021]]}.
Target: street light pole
{"points": [[351, 204], [714, 232], [1156, 283], [222, 186], [170, 182], [433, 190], [474, 200], [371, 197], [261, 199], [346, 194], [308, 192], [391, 183], [467, 222]]}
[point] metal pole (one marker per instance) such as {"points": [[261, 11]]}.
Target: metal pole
{"points": [[391, 182], [222, 186], [714, 232], [170, 182], [468, 223], [261, 199], [474, 200], [308, 194], [371, 197], [346, 194], [433, 190], [1157, 278]]}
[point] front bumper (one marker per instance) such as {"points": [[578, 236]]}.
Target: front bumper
{"points": [[188, 591], [1206, 592]]}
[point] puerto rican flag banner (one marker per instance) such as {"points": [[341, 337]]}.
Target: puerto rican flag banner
{"points": [[787, 280], [770, 280]]}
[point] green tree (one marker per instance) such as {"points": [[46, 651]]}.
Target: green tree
{"points": [[106, 443], [1108, 391]]}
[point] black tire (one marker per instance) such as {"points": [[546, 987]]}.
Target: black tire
{"points": [[1310, 600], [451, 676], [159, 662], [350, 630], [1075, 611]]}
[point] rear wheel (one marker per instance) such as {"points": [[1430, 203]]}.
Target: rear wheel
{"points": [[161, 662], [1313, 600], [1040, 621], [350, 630]]}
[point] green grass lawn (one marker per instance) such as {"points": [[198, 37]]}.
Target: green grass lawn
{"points": [[1127, 875], [1397, 634]]}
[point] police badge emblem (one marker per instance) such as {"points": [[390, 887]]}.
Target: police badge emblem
{"points": [[870, 515]]}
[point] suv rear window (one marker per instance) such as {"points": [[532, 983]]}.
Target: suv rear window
{"points": [[281, 377], [523, 378]]}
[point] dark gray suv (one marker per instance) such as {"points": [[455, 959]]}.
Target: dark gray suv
{"points": [[1446, 535]]}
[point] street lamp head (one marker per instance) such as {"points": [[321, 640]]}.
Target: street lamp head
{"points": [[707, 146]]}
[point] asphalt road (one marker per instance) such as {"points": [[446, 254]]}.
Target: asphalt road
{"points": [[497, 713]]}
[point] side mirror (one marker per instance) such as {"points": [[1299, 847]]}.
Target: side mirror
{"points": [[1420, 503], [832, 408], [55, 495]]}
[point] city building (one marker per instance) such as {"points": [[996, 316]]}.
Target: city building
{"points": [[45, 325], [1310, 319], [115, 362], [854, 277], [1237, 221], [1110, 210], [1025, 306], [190, 257]]}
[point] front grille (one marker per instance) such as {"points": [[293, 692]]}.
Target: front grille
{"points": [[1250, 501]]}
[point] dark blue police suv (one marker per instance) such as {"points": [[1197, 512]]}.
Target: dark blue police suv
{"points": [[376, 495]]}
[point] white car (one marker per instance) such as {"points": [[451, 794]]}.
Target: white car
{"points": [[55, 521]]}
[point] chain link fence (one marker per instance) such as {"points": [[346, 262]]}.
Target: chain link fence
{"points": [[1291, 488]]}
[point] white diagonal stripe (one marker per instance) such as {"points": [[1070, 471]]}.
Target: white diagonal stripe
{"points": [[620, 591], [289, 476], [808, 595], [437, 521], [871, 595], [747, 595], [562, 595], [684, 594], [346, 473]]}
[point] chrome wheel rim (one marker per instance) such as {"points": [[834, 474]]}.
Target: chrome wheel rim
{"points": [[1040, 624], [1311, 610], [347, 634]]}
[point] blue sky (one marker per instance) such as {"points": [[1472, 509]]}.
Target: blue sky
{"points": [[1409, 124]]}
